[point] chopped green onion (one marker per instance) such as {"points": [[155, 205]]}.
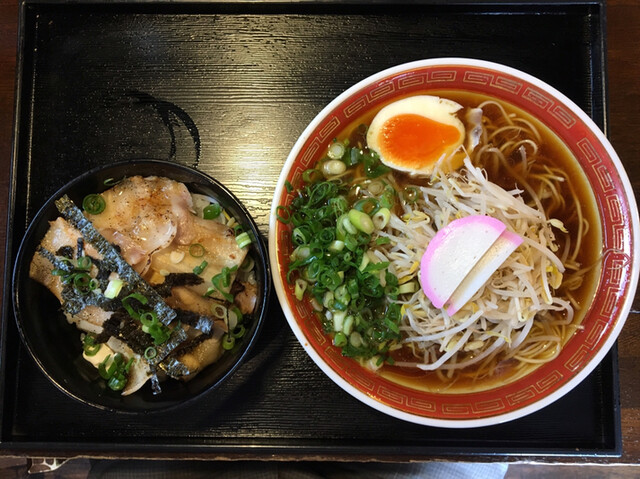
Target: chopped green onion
{"points": [[364, 263], [113, 288], [333, 168], [228, 341], [219, 311], [336, 246], [366, 205], [150, 352], [286, 218], [148, 318], [222, 280], [83, 283], [89, 345], [197, 250], [338, 320], [331, 256], [345, 224], [200, 268], [361, 221], [347, 327], [125, 304], [212, 211], [300, 287], [311, 176], [84, 262], [111, 182], [94, 204], [243, 240], [239, 331], [381, 218], [288, 186], [336, 150], [117, 383], [355, 339], [373, 167], [340, 339], [115, 371]]}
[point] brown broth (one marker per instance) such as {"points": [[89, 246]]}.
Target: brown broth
{"points": [[554, 153]]}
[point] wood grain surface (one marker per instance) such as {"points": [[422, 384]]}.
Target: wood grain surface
{"points": [[623, 23]]}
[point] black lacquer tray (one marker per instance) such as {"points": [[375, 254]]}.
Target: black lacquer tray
{"points": [[227, 88]]}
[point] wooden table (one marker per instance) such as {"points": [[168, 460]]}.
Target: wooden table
{"points": [[624, 98]]}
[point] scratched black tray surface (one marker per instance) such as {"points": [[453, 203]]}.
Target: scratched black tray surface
{"points": [[228, 88]]}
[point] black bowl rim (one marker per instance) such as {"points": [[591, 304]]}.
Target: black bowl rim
{"points": [[260, 318]]}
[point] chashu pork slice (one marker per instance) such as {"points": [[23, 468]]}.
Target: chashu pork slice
{"points": [[61, 234], [143, 215], [220, 251]]}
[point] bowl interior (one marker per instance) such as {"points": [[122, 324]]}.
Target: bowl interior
{"points": [[55, 344], [616, 210]]}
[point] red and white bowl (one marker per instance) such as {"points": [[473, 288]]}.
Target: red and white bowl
{"points": [[617, 211]]}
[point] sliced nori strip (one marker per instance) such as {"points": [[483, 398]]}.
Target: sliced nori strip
{"points": [[112, 259], [80, 247], [155, 382], [103, 272], [74, 302], [173, 280], [55, 260], [174, 368], [196, 321], [178, 335], [65, 251], [190, 345]]}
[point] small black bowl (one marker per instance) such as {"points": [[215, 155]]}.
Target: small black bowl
{"points": [[55, 344]]}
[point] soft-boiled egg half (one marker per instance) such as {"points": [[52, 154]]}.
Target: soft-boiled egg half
{"points": [[417, 132]]}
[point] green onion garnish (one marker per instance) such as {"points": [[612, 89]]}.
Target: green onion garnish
{"points": [[84, 262], [228, 341], [238, 331], [150, 352], [222, 280], [94, 204], [331, 230], [116, 371], [125, 304], [196, 250], [113, 288], [200, 268], [243, 240], [311, 176], [288, 186], [111, 182], [89, 345], [212, 211], [283, 214]]}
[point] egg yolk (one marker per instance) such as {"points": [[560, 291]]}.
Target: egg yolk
{"points": [[415, 141]]}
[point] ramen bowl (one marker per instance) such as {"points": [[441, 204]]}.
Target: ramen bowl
{"points": [[55, 344], [614, 267]]}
